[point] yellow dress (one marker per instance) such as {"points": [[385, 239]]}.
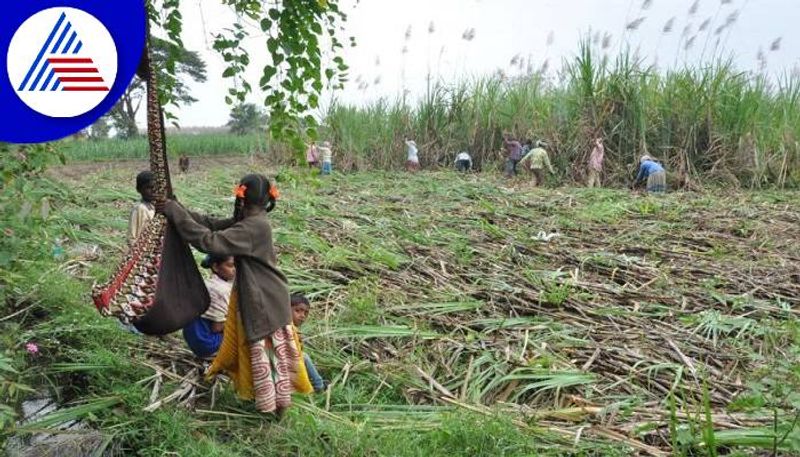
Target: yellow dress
{"points": [[278, 361]]}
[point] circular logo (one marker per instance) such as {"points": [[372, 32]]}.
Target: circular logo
{"points": [[68, 62], [62, 62]]}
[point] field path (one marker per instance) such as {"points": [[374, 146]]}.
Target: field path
{"points": [[76, 171]]}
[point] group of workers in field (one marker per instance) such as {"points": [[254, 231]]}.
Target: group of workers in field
{"points": [[535, 159], [519, 154]]}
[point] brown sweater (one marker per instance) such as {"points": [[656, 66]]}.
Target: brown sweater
{"points": [[262, 287]]}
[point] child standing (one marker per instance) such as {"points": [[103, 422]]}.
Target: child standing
{"points": [[143, 211], [300, 309], [595, 164], [204, 334], [513, 155], [327, 158], [258, 349], [312, 156], [412, 156], [183, 163]]}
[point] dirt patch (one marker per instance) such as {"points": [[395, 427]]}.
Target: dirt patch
{"points": [[78, 170]]}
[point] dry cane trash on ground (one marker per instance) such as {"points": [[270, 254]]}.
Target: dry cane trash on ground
{"points": [[630, 316]]}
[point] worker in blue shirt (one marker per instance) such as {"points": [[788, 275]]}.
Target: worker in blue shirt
{"points": [[654, 173]]}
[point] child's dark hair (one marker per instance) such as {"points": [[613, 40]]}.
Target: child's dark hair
{"points": [[299, 299], [144, 178], [213, 259], [257, 192]]}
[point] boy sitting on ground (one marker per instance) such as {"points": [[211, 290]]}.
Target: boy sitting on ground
{"points": [[204, 334], [300, 309]]}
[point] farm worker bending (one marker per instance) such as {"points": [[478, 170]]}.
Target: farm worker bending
{"points": [[463, 162], [412, 159], [654, 173], [536, 161], [312, 155], [143, 211], [595, 165], [260, 351], [327, 158], [514, 154]]}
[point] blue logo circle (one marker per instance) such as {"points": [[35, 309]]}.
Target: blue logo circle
{"points": [[66, 64]]}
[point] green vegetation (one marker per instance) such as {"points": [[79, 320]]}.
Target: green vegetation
{"points": [[188, 65], [297, 34], [204, 144], [444, 323], [711, 122], [246, 118]]}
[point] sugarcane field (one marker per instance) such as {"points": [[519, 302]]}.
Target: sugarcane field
{"points": [[371, 228]]}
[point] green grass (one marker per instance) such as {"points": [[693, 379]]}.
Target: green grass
{"points": [[437, 276], [203, 144]]}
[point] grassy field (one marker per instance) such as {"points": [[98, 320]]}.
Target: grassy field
{"points": [[453, 315], [193, 145]]}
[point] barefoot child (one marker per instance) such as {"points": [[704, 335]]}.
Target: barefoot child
{"points": [[300, 309], [204, 334], [327, 158], [513, 156], [143, 211], [312, 156], [259, 351], [412, 156], [184, 163], [595, 165]]}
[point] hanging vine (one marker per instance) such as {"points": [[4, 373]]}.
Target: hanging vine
{"points": [[296, 33]]}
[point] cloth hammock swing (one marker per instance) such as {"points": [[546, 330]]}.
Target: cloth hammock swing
{"points": [[157, 286]]}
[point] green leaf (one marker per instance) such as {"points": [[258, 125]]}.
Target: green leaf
{"points": [[272, 45], [269, 72]]}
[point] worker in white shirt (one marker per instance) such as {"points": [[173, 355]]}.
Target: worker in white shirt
{"points": [[463, 162]]}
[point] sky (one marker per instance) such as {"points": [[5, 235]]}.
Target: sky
{"points": [[385, 63]]}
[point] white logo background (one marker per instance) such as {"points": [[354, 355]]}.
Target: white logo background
{"points": [[27, 43]]}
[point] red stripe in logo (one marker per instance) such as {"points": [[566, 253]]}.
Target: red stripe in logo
{"points": [[75, 70], [55, 60], [85, 89]]}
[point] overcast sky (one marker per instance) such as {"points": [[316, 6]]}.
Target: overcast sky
{"points": [[535, 31]]}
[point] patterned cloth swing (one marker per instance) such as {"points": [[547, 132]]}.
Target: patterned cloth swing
{"points": [[157, 286]]}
